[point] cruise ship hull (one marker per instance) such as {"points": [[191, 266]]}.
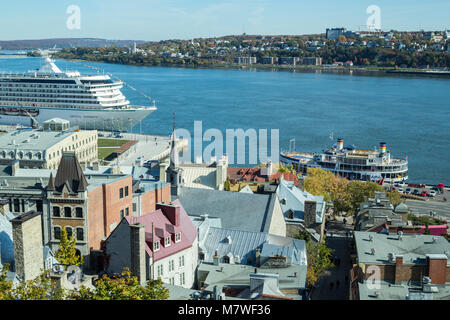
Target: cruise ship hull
{"points": [[105, 120]]}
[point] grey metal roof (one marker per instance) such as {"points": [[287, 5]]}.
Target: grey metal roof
{"points": [[293, 198], [32, 140], [401, 291], [413, 247], [241, 211], [243, 243]]}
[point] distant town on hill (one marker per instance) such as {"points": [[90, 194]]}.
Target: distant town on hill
{"points": [[64, 43]]}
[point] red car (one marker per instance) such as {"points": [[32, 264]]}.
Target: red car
{"points": [[424, 193]]}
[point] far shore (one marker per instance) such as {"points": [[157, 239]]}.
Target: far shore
{"points": [[357, 70]]}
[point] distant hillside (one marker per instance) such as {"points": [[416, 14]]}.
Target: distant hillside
{"points": [[64, 43]]}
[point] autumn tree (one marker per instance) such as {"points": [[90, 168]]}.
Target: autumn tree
{"points": [[360, 191], [394, 197], [66, 253], [319, 261]]}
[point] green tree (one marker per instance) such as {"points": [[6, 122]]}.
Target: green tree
{"points": [[227, 185], [123, 286], [319, 261], [304, 235], [360, 191], [66, 253]]}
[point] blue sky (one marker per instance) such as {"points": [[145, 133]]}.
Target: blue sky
{"points": [[185, 19]]}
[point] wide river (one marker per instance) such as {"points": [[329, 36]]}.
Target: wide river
{"points": [[411, 114]]}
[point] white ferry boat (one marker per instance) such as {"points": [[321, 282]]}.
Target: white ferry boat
{"points": [[90, 101], [352, 163]]}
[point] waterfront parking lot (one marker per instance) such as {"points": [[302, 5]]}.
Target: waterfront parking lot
{"points": [[435, 204]]}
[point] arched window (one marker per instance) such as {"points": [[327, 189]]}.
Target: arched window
{"points": [[57, 233], [69, 233], [30, 155], [80, 234], [67, 212], [56, 212], [3, 154], [226, 259], [79, 212], [20, 155]]}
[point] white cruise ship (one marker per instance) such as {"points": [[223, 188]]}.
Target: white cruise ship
{"points": [[90, 101]]}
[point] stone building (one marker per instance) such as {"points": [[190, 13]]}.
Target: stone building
{"points": [[162, 243], [38, 148], [90, 206], [28, 246]]}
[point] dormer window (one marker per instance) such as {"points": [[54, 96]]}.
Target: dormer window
{"points": [[155, 246], [167, 242], [178, 237]]}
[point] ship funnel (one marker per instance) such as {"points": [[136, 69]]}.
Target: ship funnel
{"points": [[340, 144], [382, 147]]}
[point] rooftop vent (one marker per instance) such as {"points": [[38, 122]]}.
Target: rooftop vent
{"points": [[426, 280], [434, 239], [391, 257], [372, 251], [370, 237], [400, 234]]}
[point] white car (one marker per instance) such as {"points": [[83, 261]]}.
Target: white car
{"points": [[400, 190], [432, 193]]}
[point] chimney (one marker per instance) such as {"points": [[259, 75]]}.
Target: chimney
{"points": [[258, 257], [398, 268], [15, 167], [382, 147], [171, 211], [437, 268], [137, 243], [216, 258], [162, 171], [28, 247], [340, 143], [309, 213]]}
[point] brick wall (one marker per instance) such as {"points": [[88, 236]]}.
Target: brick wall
{"points": [[151, 198], [104, 206], [436, 270], [411, 272]]}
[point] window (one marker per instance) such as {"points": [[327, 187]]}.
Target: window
{"points": [[69, 233], [80, 234], [181, 261], [171, 265], [172, 280], [182, 280], [57, 233], [121, 193], [178, 237], [56, 212], [160, 270], [155, 245], [39, 207], [134, 207], [127, 211], [121, 214], [67, 212], [126, 191], [167, 242], [79, 212], [16, 205]]}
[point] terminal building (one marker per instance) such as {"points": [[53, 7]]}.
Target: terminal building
{"points": [[43, 148]]}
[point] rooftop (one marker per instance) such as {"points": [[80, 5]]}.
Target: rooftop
{"points": [[402, 291], [413, 247], [230, 207], [32, 140]]}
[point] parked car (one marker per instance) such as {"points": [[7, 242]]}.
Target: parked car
{"points": [[432, 193], [424, 193], [400, 190], [100, 134], [408, 191], [416, 192]]}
